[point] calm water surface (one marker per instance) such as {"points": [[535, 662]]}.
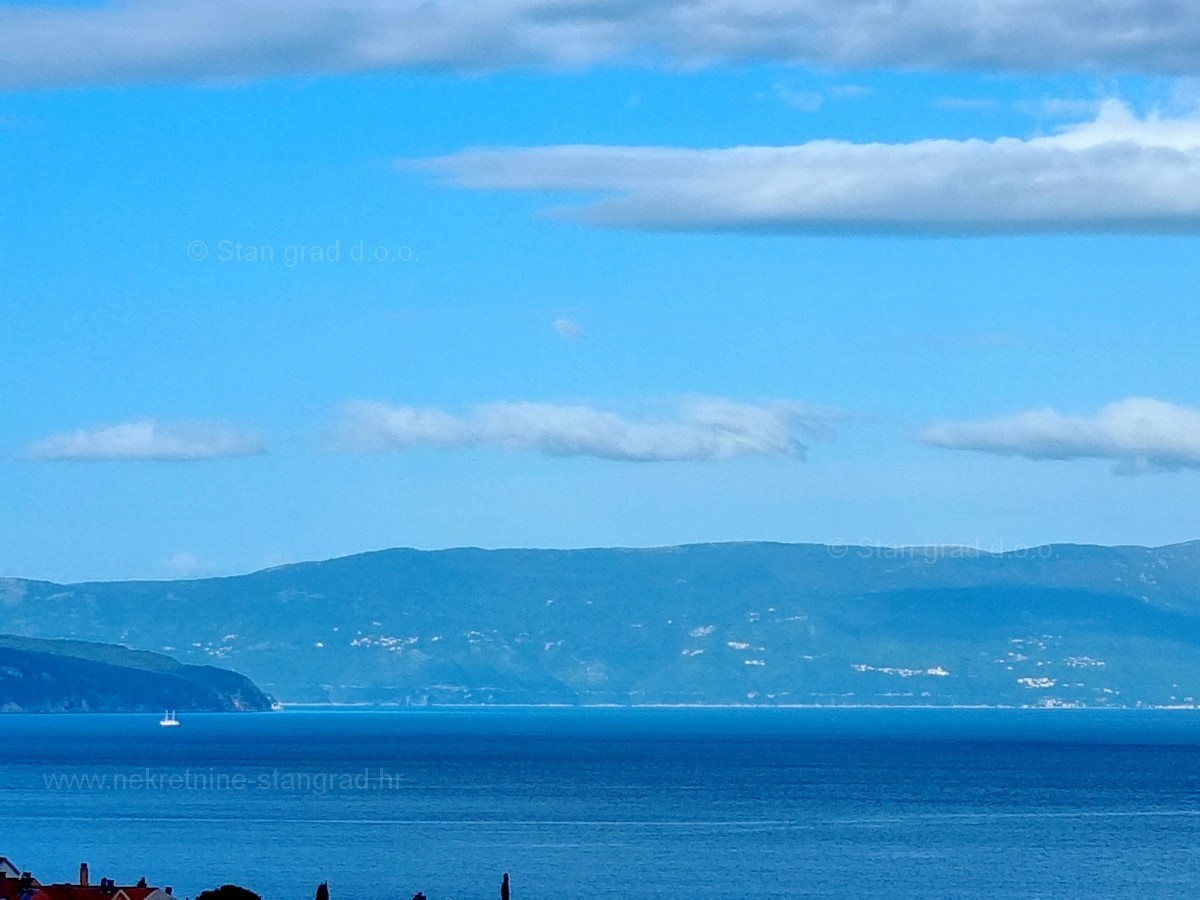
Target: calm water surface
{"points": [[613, 803]]}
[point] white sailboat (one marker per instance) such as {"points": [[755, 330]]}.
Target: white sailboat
{"points": [[168, 720]]}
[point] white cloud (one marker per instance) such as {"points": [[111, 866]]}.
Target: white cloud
{"points": [[811, 101], [1061, 108], [969, 104], [1116, 173], [1185, 94], [703, 429], [1139, 434], [220, 40], [850, 91], [184, 564], [803, 100], [568, 329], [148, 440]]}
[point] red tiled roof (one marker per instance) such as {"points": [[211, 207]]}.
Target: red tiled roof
{"points": [[11, 888], [93, 892]]}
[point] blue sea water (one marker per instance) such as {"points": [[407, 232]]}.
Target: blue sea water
{"points": [[614, 803]]}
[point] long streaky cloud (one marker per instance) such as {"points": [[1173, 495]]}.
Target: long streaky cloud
{"points": [[1118, 173], [148, 440], [703, 429], [202, 41], [1138, 434]]}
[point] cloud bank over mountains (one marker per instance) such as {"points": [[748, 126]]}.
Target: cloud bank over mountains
{"points": [[709, 429], [204, 41], [1139, 434], [1117, 173]]}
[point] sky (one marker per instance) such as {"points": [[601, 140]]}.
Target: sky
{"points": [[285, 281]]}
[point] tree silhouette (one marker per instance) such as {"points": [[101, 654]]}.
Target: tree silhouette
{"points": [[323, 891], [229, 892], [504, 888]]}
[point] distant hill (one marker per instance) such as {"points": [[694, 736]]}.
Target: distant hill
{"points": [[76, 676], [731, 623]]}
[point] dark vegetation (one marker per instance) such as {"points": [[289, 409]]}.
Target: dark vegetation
{"points": [[76, 676]]}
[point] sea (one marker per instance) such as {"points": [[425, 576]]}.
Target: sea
{"points": [[613, 803]]}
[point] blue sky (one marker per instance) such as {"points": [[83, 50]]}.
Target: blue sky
{"points": [[924, 359]]}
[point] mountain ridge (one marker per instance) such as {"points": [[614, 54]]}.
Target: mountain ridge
{"points": [[882, 549], [748, 622]]}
